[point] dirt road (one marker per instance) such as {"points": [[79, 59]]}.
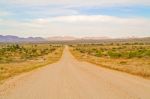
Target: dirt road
{"points": [[71, 79]]}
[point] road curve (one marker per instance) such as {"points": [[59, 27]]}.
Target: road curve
{"points": [[71, 79]]}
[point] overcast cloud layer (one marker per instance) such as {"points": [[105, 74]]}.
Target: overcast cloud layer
{"points": [[113, 18], [79, 2]]}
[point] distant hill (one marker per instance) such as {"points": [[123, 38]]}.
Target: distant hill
{"points": [[109, 40], [70, 38], [10, 38], [95, 38], [61, 38]]}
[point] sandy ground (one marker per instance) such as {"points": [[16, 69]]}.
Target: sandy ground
{"points": [[71, 79]]}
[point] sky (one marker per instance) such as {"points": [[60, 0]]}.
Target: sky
{"points": [[102, 18]]}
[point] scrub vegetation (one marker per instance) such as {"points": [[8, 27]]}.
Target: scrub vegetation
{"points": [[18, 58], [129, 57]]}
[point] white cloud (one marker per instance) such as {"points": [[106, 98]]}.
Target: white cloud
{"points": [[79, 2], [92, 19], [79, 25]]}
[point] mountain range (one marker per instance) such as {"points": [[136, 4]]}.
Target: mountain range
{"points": [[10, 38]]}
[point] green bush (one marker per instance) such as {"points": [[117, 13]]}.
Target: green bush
{"points": [[98, 54], [148, 53], [114, 54]]}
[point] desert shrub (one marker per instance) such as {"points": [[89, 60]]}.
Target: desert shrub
{"points": [[123, 62], [98, 54], [148, 53], [80, 50], [136, 53], [131, 54], [114, 54]]}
